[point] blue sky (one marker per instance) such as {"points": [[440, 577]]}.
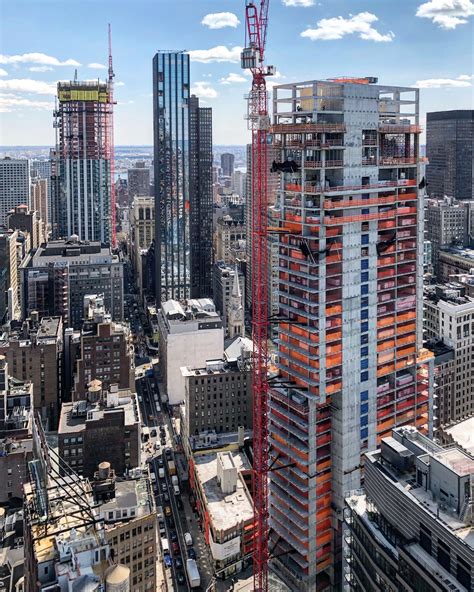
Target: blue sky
{"points": [[400, 41]]}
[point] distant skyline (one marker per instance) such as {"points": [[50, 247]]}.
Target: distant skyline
{"points": [[424, 43]]}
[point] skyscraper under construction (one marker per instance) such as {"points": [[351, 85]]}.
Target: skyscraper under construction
{"points": [[82, 191], [350, 357]]}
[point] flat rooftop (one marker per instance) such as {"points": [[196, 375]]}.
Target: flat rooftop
{"points": [[90, 412], [71, 251], [226, 510], [49, 327], [463, 434], [130, 493]]}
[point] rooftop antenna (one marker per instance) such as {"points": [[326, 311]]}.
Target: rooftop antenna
{"points": [[75, 75]]}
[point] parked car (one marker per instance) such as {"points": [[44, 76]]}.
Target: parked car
{"points": [[173, 536], [167, 511], [168, 561], [178, 562], [175, 548], [180, 577]]}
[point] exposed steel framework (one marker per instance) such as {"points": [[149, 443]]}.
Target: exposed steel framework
{"points": [[110, 141], [259, 122]]}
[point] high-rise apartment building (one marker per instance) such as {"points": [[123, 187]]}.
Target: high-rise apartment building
{"points": [[227, 164], [82, 187], [449, 148], [412, 528], [350, 262], [138, 181], [35, 353], [200, 198], [171, 94], [14, 185]]}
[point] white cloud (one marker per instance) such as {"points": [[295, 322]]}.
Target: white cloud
{"points": [[220, 53], [9, 101], [448, 14], [97, 66], [28, 86], [305, 3], [460, 82], [274, 80], [40, 68], [328, 29], [219, 20], [36, 58], [3, 72], [203, 90], [233, 78]]}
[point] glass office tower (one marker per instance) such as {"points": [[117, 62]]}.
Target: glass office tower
{"points": [[171, 162]]}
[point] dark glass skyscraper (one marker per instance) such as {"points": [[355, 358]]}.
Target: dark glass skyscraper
{"points": [[449, 148], [200, 179], [171, 162], [183, 182]]}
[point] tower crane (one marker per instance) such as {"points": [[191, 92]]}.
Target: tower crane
{"points": [[252, 58]]}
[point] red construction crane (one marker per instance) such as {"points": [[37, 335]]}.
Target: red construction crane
{"points": [[259, 122], [110, 142]]}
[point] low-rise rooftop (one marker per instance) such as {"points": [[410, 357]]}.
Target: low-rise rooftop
{"points": [[226, 510]]}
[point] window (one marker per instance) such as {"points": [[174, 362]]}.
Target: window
{"points": [[364, 264], [364, 396], [364, 433], [364, 376], [365, 239], [364, 289], [364, 276]]}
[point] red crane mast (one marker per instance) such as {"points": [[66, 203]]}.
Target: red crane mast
{"points": [[259, 123], [110, 141]]}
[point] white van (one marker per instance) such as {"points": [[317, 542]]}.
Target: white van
{"points": [[161, 473], [174, 480], [188, 539], [152, 477], [176, 490]]}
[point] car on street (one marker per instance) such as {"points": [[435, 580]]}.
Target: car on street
{"points": [[168, 561], [178, 562], [164, 487], [173, 536], [175, 548], [153, 433], [160, 462], [168, 453], [180, 577], [171, 522], [192, 553], [166, 497], [168, 511], [179, 503]]}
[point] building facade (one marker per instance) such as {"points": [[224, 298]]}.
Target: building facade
{"points": [[413, 527], [449, 315], [190, 333], [138, 181], [227, 164], [40, 200], [105, 426], [35, 353], [26, 220], [453, 261], [56, 278], [10, 307], [446, 223], [200, 198], [14, 185], [82, 188], [350, 269], [221, 483], [105, 351], [171, 92], [223, 281], [449, 148], [142, 234], [218, 396], [229, 230]]}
